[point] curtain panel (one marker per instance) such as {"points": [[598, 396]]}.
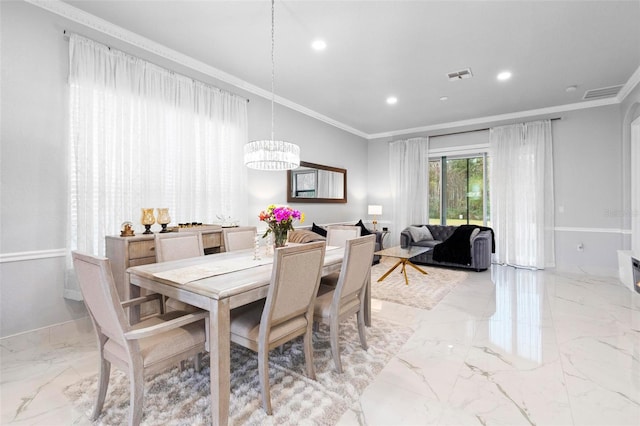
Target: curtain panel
{"points": [[143, 136], [409, 176], [522, 202]]}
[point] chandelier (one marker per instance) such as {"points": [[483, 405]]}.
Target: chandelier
{"points": [[271, 154]]}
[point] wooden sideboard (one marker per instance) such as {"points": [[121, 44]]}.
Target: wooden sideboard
{"points": [[124, 252]]}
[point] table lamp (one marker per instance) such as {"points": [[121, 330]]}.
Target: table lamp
{"points": [[375, 210]]}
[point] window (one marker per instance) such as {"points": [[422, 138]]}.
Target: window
{"points": [[142, 136], [458, 191]]}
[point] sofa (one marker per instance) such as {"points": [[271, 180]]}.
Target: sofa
{"points": [[465, 246], [319, 233]]}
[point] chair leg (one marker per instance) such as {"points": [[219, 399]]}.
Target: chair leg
{"points": [[198, 362], [335, 346], [308, 353], [263, 372], [103, 384], [362, 330], [136, 385]]}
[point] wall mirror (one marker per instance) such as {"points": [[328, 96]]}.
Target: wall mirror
{"points": [[315, 183]]}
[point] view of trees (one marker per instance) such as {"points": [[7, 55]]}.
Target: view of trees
{"points": [[464, 190]]}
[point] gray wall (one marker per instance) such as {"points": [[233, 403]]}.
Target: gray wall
{"points": [[588, 186], [33, 163]]}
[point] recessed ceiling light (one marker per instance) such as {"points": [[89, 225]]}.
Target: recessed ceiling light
{"points": [[392, 100], [444, 98], [571, 88], [504, 75], [319, 45]]}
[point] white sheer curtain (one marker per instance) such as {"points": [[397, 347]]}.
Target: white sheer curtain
{"points": [[521, 182], [409, 175], [330, 184], [142, 136]]}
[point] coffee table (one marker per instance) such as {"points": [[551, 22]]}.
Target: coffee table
{"points": [[404, 254]]}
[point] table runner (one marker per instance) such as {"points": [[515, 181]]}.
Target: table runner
{"points": [[218, 267]]}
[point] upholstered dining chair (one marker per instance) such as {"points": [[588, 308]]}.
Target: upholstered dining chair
{"points": [[147, 347], [176, 246], [339, 300], [287, 311], [337, 235], [239, 238]]}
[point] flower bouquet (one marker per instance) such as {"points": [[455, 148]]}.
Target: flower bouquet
{"points": [[280, 221]]}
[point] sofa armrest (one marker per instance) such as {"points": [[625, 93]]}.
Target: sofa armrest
{"points": [[481, 250], [405, 238]]}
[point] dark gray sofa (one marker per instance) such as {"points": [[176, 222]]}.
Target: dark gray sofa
{"points": [[480, 247]]}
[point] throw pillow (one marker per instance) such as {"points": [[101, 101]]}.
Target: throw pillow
{"points": [[318, 230], [363, 229], [303, 236], [420, 233]]}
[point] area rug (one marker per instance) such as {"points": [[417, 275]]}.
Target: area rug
{"points": [[423, 291], [183, 397]]}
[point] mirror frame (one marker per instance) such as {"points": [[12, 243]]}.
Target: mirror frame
{"points": [[292, 199]]}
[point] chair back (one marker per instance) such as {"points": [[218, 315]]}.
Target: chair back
{"points": [[295, 280], [337, 235], [356, 266], [175, 246], [100, 295], [239, 238]]}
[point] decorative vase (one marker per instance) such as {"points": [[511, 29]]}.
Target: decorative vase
{"points": [[163, 218], [279, 236], [147, 220]]}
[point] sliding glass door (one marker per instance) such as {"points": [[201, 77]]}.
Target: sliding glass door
{"points": [[458, 192]]}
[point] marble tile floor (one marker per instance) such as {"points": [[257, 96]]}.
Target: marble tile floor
{"points": [[505, 347]]}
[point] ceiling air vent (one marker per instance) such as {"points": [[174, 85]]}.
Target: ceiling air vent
{"points": [[459, 75], [605, 92]]}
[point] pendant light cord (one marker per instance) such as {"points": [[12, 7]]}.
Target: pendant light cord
{"points": [[273, 67]]}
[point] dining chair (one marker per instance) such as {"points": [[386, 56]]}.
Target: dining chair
{"points": [[176, 246], [241, 238], [337, 235], [149, 346], [339, 300], [287, 311]]}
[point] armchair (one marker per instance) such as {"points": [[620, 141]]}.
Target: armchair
{"points": [[147, 347]]}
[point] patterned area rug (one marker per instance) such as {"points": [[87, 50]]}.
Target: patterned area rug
{"points": [[182, 397], [423, 291]]}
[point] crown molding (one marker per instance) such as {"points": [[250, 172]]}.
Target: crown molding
{"points": [[500, 117], [91, 21], [629, 86]]}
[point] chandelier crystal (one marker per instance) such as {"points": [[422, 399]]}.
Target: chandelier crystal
{"points": [[271, 154]]}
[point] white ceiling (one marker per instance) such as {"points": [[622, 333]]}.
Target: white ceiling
{"points": [[401, 48]]}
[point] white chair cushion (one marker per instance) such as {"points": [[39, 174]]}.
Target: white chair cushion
{"points": [[245, 322], [322, 306], [163, 346]]}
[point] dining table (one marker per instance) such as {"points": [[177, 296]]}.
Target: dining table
{"points": [[218, 283]]}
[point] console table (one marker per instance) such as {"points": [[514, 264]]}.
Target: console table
{"points": [[124, 252]]}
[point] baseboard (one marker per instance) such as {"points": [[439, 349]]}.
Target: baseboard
{"points": [[66, 333]]}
